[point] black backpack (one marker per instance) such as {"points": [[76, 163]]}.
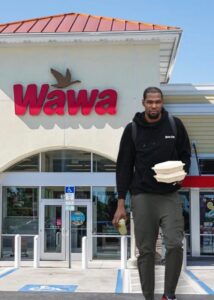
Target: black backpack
{"points": [[171, 121]]}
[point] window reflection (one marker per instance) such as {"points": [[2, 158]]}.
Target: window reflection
{"points": [[19, 216], [185, 196], [53, 192], [104, 207], [53, 229], [105, 200], [20, 210], [28, 164], [186, 210], [102, 164], [66, 161], [206, 166]]}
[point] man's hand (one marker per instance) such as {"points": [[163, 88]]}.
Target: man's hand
{"points": [[120, 212]]}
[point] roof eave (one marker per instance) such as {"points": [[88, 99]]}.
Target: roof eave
{"points": [[138, 37], [173, 56], [187, 89], [86, 36]]}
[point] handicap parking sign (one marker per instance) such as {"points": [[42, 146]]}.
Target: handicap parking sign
{"points": [[69, 189], [69, 193]]}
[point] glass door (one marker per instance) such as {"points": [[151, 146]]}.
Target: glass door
{"points": [[81, 225], [52, 230]]}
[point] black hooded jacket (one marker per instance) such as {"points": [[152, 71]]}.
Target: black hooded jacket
{"points": [[155, 143]]}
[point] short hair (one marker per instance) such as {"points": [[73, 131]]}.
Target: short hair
{"points": [[152, 89]]}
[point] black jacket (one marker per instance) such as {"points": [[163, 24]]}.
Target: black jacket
{"points": [[155, 143]]}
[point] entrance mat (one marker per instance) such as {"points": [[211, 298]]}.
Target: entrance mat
{"points": [[48, 288], [88, 296]]}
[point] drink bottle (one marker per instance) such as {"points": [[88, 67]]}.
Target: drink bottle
{"points": [[122, 227]]}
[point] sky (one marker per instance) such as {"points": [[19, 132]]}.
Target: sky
{"points": [[195, 58]]}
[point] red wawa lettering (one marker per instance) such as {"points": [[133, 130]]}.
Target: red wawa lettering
{"points": [[54, 102]]}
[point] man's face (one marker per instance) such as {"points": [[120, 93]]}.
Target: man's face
{"points": [[153, 104]]}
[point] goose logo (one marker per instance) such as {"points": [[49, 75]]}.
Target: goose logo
{"points": [[55, 100], [63, 81]]}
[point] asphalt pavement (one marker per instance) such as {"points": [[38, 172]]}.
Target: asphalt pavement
{"points": [[89, 296]]}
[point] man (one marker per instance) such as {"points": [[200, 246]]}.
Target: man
{"points": [[154, 203]]}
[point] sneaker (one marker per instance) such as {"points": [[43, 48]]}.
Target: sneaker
{"points": [[167, 298]]}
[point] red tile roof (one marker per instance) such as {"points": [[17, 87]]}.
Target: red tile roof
{"points": [[74, 22]]}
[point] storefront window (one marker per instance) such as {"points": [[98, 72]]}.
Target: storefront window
{"points": [[58, 192], [207, 222], [19, 216], [82, 192], [104, 207], [53, 192], [186, 210], [102, 164], [29, 164], [66, 161], [206, 165]]}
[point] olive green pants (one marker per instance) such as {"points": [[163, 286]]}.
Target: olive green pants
{"points": [[151, 211]]}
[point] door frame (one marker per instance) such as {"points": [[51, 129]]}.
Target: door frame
{"points": [[64, 254], [78, 256], [51, 256]]}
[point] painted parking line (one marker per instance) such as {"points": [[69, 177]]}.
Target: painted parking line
{"points": [[119, 284], [48, 288], [7, 272], [203, 285]]}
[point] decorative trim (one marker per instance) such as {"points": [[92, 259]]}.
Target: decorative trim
{"points": [[204, 181], [187, 89], [89, 37], [190, 109]]}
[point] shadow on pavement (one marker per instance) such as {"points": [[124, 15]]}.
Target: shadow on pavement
{"points": [[88, 296]]}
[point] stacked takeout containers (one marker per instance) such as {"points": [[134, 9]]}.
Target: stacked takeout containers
{"points": [[169, 171]]}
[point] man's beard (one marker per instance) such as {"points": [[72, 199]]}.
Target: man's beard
{"points": [[154, 116]]}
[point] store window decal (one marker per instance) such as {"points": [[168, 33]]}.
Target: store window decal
{"points": [[207, 223]]}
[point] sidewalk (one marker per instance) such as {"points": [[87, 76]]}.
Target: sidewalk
{"points": [[101, 276], [102, 279]]}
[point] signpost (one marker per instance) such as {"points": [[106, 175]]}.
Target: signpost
{"points": [[70, 206]]}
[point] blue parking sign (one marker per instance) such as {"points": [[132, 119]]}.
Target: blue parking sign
{"points": [[69, 189]]}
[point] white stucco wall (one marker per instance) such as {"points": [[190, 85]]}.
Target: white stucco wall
{"points": [[126, 68]]}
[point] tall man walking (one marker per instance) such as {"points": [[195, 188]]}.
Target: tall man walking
{"points": [[159, 137]]}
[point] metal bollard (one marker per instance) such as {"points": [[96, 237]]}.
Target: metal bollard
{"points": [[126, 281], [123, 249], [36, 255], [84, 253], [17, 256]]}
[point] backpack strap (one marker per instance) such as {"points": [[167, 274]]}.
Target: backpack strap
{"points": [[173, 124], [134, 131]]}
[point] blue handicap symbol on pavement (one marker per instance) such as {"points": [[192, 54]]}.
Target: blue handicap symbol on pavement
{"points": [[48, 288]]}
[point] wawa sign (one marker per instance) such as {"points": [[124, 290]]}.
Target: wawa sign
{"points": [[57, 102]]}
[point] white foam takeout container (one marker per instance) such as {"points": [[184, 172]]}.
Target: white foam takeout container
{"points": [[172, 177], [168, 167]]}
